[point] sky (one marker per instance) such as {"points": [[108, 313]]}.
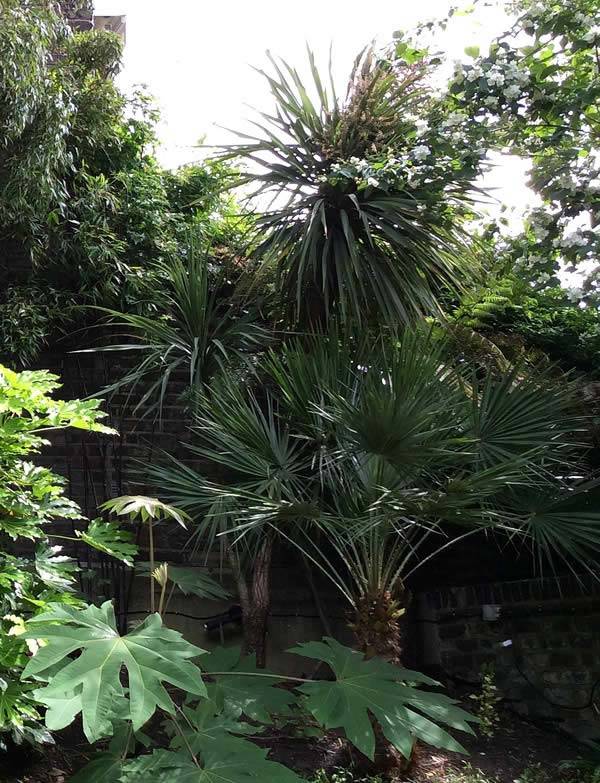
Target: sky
{"points": [[198, 59]]}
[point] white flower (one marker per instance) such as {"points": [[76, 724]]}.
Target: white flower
{"points": [[453, 120], [491, 101], [567, 182], [422, 127], [495, 77], [575, 293], [474, 73], [421, 152], [459, 73], [512, 92], [574, 239], [354, 160], [374, 183], [540, 233], [594, 185], [592, 34], [537, 9]]}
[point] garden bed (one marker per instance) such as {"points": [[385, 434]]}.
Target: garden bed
{"points": [[516, 747]]}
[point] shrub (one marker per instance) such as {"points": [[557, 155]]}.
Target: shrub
{"points": [[34, 573]]}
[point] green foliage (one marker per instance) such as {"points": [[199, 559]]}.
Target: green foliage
{"points": [[258, 698], [195, 335], [374, 192], [582, 770], [195, 581], [31, 500], [534, 773], [33, 113], [487, 702], [108, 538], [483, 307], [147, 509], [91, 684], [467, 775], [233, 761], [340, 775], [378, 468], [522, 319], [29, 317], [207, 735], [373, 687], [81, 193], [535, 94]]}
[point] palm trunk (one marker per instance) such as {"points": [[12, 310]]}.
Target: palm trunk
{"points": [[376, 626], [377, 631], [255, 600]]}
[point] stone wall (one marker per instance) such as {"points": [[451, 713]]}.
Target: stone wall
{"points": [[542, 635]]}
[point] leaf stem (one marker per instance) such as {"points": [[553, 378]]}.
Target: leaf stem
{"points": [[63, 538], [258, 674], [185, 741], [151, 547]]}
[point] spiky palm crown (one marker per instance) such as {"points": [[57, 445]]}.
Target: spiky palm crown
{"points": [[341, 247], [372, 462]]}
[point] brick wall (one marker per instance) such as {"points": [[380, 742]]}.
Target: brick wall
{"points": [[551, 668], [554, 625]]}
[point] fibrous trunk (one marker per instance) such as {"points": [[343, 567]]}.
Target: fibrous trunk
{"points": [[377, 630], [255, 600], [376, 625]]}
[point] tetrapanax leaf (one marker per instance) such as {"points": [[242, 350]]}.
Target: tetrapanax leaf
{"points": [[190, 580], [91, 684], [257, 697], [145, 508], [363, 688], [196, 581], [208, 722], [107, 537], [229, 761], [103, 768], [53, 568]]}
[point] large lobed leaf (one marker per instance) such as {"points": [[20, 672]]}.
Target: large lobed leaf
{"points": [[91, 684], [108, 538], [233, 761], [364, 688], [243, 689]]}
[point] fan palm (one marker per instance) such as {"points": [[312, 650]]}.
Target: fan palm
{"points": [[193, 336], [373, 461], [345, 246]]}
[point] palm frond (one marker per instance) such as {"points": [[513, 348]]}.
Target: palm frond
{"points": [[339, 249], [194, 337]]}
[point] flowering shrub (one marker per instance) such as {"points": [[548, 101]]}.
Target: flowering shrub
{"points": [[535, 93], [438, 149]]}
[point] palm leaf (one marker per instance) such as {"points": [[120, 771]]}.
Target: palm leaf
{"points": [[192, 339], [356, 253]]}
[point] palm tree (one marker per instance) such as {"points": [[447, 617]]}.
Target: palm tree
{"points": [[195, 333], [372, 459], [353, 232], [250, 455]]}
